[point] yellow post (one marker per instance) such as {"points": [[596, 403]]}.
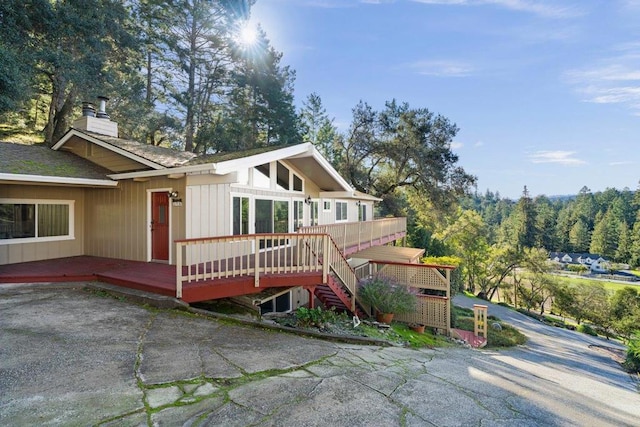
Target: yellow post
{"points": [[480, 320]]}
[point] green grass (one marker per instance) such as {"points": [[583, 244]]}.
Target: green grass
{"points": [[12, 133], [610, 286], [507, 337]]}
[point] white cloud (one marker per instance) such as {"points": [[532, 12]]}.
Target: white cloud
{"points": [[614, 80], [549, 8], [478, 144], [562, 157], [441, 68], [456, 145], [621, 163]]}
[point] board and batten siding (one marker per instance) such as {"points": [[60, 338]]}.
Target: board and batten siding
{"points": [[209, 210], [38, 251], [118, 220]]}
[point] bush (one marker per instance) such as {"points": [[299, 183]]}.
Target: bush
{"points": [[507, 337], [306, 317], [385, 295], [632, 362], [587, 329]]}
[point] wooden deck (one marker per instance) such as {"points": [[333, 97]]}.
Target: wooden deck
{"points": [[146, 276]]}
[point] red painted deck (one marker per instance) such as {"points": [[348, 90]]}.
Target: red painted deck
{"points": [[145, 276]]}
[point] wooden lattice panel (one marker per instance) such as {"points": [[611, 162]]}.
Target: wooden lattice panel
{"points": [[430, 311], [416, 276]]}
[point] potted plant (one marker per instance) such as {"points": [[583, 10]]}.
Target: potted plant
{"points": [[386, 296], [417, 327]]}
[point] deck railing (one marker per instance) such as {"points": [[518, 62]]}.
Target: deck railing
{"points": [[212, 258], [354, 236]]}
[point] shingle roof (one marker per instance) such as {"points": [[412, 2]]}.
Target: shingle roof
{"points": [[166, 157], [41, 160]]}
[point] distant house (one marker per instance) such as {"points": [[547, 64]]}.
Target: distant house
{"points": [[593, 262]]}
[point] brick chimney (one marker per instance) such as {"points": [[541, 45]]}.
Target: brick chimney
{"points": [[96, 122]]}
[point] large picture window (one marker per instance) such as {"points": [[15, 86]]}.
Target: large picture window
{"points": [[27, 220]]}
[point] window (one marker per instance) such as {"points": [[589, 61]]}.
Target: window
{"points": [[279, 304], [282, 177], [341, 211], [240, 215], [362, 212], [297, 183], [41, 220], [326, 206], [313, 213], [272, 216], [298, 214]]}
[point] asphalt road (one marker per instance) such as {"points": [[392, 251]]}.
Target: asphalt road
{"points": [[69, 356]]}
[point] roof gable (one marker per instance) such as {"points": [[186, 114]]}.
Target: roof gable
{"points": [[134, 156]]}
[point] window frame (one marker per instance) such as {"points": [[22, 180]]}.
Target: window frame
{"points": [[344, 210], [36, 202]]}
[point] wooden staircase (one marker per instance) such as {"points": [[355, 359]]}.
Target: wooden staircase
{"points": [[332, 294]]}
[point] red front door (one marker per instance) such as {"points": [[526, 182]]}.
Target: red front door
{"points": [[160, 226]]}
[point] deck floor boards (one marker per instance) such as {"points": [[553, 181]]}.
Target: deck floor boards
{"points": [[145, 276]]}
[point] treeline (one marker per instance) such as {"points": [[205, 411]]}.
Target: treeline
{"points": [[176, 71], [605, 223]]}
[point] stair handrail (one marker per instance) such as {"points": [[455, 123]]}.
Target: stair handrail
{"points": [[341, 268]]}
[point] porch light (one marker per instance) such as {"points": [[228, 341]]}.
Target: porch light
{"points": [[173, 194], [358, 203], [308, 200]]}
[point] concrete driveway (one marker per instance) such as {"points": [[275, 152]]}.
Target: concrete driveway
{"points": [[69, 356]]}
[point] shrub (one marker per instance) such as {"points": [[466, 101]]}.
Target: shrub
{"points": [[587, 329], [317, 317], [508, 336], [632, 361], [386, 295]]}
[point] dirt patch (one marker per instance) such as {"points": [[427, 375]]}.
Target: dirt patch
{"points": [[617, 354]]}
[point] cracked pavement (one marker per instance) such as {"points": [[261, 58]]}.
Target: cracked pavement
{"points": [[69, 356]]}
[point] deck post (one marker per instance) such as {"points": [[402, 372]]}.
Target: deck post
{"points": [[256, 266], [325, 258], [178, 270]]}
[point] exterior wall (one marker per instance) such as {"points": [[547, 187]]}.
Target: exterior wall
{"points": [[209, 202], [36, 251], [101, 156], [329, 217], [118, 220]]}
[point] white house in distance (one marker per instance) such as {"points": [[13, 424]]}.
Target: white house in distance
{"points": [[593, 262]]}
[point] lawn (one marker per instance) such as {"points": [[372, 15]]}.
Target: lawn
{"points": [[610, 286]]}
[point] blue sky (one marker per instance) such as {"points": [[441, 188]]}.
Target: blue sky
{"points": [[546, 93]]}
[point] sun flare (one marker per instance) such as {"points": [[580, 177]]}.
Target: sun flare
{"points": [[248, 35]]}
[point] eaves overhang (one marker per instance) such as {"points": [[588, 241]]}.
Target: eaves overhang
{"points": [[56, 180]]}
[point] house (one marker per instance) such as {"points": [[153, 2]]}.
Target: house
{"points": [[279, 220], [585, 259]]}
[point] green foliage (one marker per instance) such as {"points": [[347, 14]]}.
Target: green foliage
{"points": [[508, 336], [403, 147], [632, 361], [587, 329], [577, 268], [386, 295], [315, 317]]}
